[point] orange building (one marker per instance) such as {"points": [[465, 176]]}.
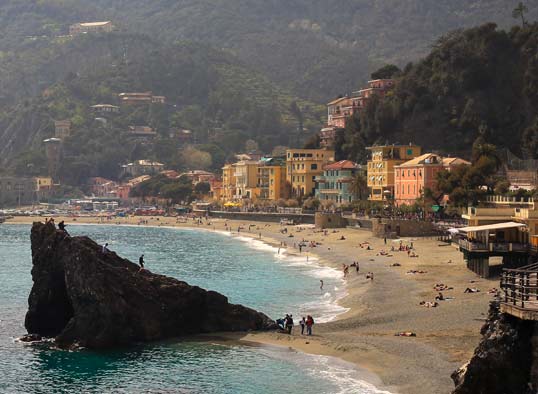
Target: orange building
{"points": [[413, 176]]}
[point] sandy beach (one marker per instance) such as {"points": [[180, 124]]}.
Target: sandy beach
{"points": [[445, 336]]}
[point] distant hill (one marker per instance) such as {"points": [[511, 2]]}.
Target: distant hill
{"points": [[481, 79], [208, 91], [318, 48]]}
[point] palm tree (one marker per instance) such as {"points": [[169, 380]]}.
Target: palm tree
{"points": [[519, 12], [359, 186]]}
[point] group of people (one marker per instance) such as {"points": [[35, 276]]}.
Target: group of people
{"points": [[286, 324]]}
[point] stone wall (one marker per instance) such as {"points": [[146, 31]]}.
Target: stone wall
{"points": [[330, 220], [259, 216], [392, 228]]}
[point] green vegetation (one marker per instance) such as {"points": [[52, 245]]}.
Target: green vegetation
{"points": [[224, 104], [477, 79], [319, 48], [177, 190]]}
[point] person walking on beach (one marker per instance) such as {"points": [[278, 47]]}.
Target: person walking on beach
{"points": [[141, 262], [321, 284], [302, 323], [309, 324]]}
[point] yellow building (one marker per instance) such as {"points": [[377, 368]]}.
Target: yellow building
{"points": [[228, 183], [303, 165], [381, 168], [246, 179], [43, 183], [272, 179]]}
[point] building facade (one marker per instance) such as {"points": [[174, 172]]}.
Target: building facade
{"points": [[16, 191], [246, 179], [62, 129], [413, 176], [380, 170], [272, 179], [142, 167], [228, 183], [302, 167], [336, 183], [141, 98]]}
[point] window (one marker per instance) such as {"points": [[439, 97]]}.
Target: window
{"points": [[313, 166]]}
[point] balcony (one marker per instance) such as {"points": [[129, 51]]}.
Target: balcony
{"points": [[493, 247]]}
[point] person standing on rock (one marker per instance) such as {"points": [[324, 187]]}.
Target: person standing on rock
{"points": [[141, 262], [61, 226], [104, 249]]}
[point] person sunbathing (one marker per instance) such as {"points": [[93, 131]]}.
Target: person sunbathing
{"points": [[429, 304], [405, 334], [472, 290]]}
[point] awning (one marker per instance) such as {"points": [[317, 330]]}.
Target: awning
{"points": [[497, 226]]}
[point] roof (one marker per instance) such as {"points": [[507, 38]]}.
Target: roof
{"points": [[497, 226], [338, 100], [89, 24], [454, 161], [422, 160], [342, 165], [375, 147], [104, 106]]}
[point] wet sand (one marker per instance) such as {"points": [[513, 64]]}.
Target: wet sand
{"points": [[446, 335]]}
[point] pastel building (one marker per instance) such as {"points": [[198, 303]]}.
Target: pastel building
{"points": [[228, 183], [380, 170], [336, 183], [413, 176], [303, 165], [272, 179], [246, 179]]}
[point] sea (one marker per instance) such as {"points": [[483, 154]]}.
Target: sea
{"points": [[246, 270]]}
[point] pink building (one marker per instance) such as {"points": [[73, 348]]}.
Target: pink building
{"points": [[413, 176], [198, 176], [102, 187]]}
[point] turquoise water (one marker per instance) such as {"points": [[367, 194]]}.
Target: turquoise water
{"points": [[247, 271]]}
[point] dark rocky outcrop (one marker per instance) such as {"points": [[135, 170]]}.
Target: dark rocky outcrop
{"points": [[503, 361], [81, 296]]}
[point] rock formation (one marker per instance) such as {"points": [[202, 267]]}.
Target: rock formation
{"points": [[503, 361], [82, 296]]}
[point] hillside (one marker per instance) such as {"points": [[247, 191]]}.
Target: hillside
{"points": [[208, 91], [319, 48], [481, 79]]}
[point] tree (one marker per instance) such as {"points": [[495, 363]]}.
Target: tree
{"points": [[386, 72], [192, 158], [359, 186], [202, 188], [519, 12]]}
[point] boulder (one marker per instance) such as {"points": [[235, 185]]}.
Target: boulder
{"points": [[81, 296], [502, 362]]}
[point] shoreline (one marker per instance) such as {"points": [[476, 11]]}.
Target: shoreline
{"points": [[364, 335]]}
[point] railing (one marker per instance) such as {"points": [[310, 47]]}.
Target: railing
{"points": [[472, 246], [499, 247], [520, 286]]}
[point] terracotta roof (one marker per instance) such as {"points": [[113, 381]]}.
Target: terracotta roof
{"points": [[454, 161], [342, 165], [421, 160], [338, 100]]}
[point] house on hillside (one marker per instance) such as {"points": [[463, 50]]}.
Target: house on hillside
{"points": [[62, 129], [143, 132], [182, 135], [142, 167], [105, 109], [102, 187], [91, 27], [136, 98]]}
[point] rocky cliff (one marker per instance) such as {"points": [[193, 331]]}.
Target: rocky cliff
{"points": [[82, 296], [504, 361]]}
